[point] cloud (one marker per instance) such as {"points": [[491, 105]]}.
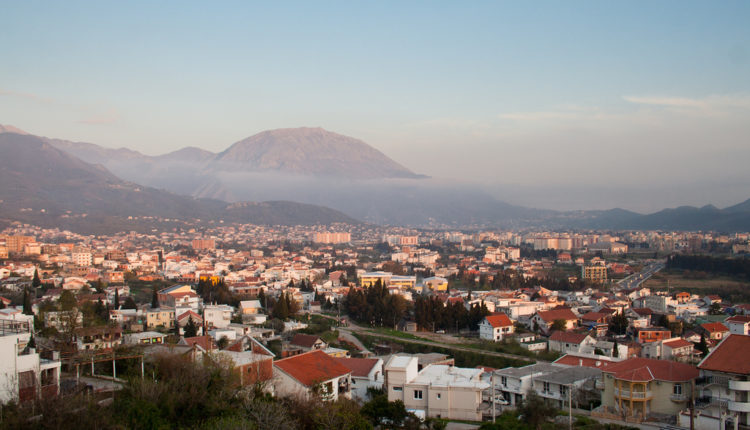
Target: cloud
{"points": [[27, 96], [680, 102], [104, 118]]}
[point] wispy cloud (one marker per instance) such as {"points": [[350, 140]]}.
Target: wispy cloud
{"points": [[27, 96], [680, 102]]}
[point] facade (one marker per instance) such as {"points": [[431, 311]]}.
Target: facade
{"points": [[438, 390], [636, 388], [595, 273], [366, 373], [545, 319], [739, 324], [571, 343], [495, 327], [160, 317], [724, 391], [24, 375], [217, 316]]}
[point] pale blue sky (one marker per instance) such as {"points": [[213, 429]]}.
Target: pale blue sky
{"points": [[532, 93]]}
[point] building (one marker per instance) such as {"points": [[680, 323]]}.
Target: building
{"points": [[495, 327], [435, 283], [739, 324], [545, 319], [439, 391], [160, 317], [24, 375], [652, 334], [97, 338], [366, 373], [15, 244], [252, 361], [594, 272], [331, 237], [204, 243], [311, 374], [513, 383], [145, 338], [637, 388], [568, 342], [724, 391], [217, 316]]}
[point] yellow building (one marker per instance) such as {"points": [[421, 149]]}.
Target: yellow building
{"points": [[638, 387], [369, 279], [436, 283], [596, 273], [160, 317]]}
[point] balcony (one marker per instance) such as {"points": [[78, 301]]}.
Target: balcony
{"points": [[599, 384], [678, 397], [739, 385], [635, 395], [738, 406]]}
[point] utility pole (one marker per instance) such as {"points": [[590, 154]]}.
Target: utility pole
{"points": [[570, 406], [492, 393]]}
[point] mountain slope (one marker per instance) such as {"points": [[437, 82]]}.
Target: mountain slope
{"points": [[312, 152], [44, 185]]}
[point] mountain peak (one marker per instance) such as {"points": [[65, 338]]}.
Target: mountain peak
{"points": [[311, 151], [11, 129]]}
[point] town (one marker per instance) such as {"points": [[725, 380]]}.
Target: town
{"points": [[414, 327]]}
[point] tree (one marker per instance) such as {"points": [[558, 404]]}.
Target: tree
{"points": [[619, 323], [154, 298], [191, 329], [2, 304], [615, 350], [129, 303], [36, 282], [27, 310], [535, 410], [702, 346], [559, 325], [117, 298]]}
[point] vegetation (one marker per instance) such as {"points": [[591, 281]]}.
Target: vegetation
{"points": [[375, 306], [431, 314], [714, 265]]}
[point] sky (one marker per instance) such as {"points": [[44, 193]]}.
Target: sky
{"points": [[564, 105]]}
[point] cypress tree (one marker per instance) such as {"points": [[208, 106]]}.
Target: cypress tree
{"points": [[117, 299], [36, 282], [154, 299], [27, 310]]}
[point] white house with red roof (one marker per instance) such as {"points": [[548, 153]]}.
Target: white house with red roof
{"points": [[723, 399], [568, 342], [366, 373], [738, 324], [545, 319], [313, 373], [495, 327]]}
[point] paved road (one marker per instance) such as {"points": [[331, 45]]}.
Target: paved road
{"points": [[636, 279]]}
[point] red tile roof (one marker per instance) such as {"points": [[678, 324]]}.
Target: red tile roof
{"points": [[558, 314], [499, 320], [729, 356], [577, 360], [739, 319], [649, 369], [205, 342], [568, 337], [359, 366], [643, 311], [312, 367], [304, 340], [594, 316], [715, 327]]}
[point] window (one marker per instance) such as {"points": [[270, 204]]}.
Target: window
{"points": [[563, 390], [677, 389], [504, 381], [417, 394], [546, 387], [439, 395], [398, 388]]}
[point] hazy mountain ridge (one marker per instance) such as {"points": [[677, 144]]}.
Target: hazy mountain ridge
{"points": [[44, 185], [395, 201]]}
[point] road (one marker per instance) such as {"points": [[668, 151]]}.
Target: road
{"points": [[347, 332], [636, 279]]}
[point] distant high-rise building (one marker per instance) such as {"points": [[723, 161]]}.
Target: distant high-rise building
{"points": [[331, 237], [204, 243], [15, 244]]}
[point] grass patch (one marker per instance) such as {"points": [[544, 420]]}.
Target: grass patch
{"points": [[513, 348], [397, 333]]}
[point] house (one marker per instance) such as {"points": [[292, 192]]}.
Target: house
{"points": [[652, 334], [739, 324], [145, 338], [439, 391], [24, 374], [594, 318], [366, 373], [513, 383], [248, 307], [308, 342], [184, 318], [160, 317], [251, 360], [313, 373], [715, 331], [559, 386], [725, 384], [97, 338], [495, 327], [545, 319], [636, 388], [570, 342], [217, 316]]}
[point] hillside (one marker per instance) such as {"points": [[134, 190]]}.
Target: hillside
{"points": [[44, 185]]}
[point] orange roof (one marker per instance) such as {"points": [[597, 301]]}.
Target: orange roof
{"points": [[499, 320], [359, 366], [649, 369], [306, 340], [714, 327], [205, 342], [557, 314], [312, 367], [729, 356], [739, 319]]}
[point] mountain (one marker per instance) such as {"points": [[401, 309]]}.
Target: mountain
{"points": [[189, 154], [311, 152], [43, 185]]}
